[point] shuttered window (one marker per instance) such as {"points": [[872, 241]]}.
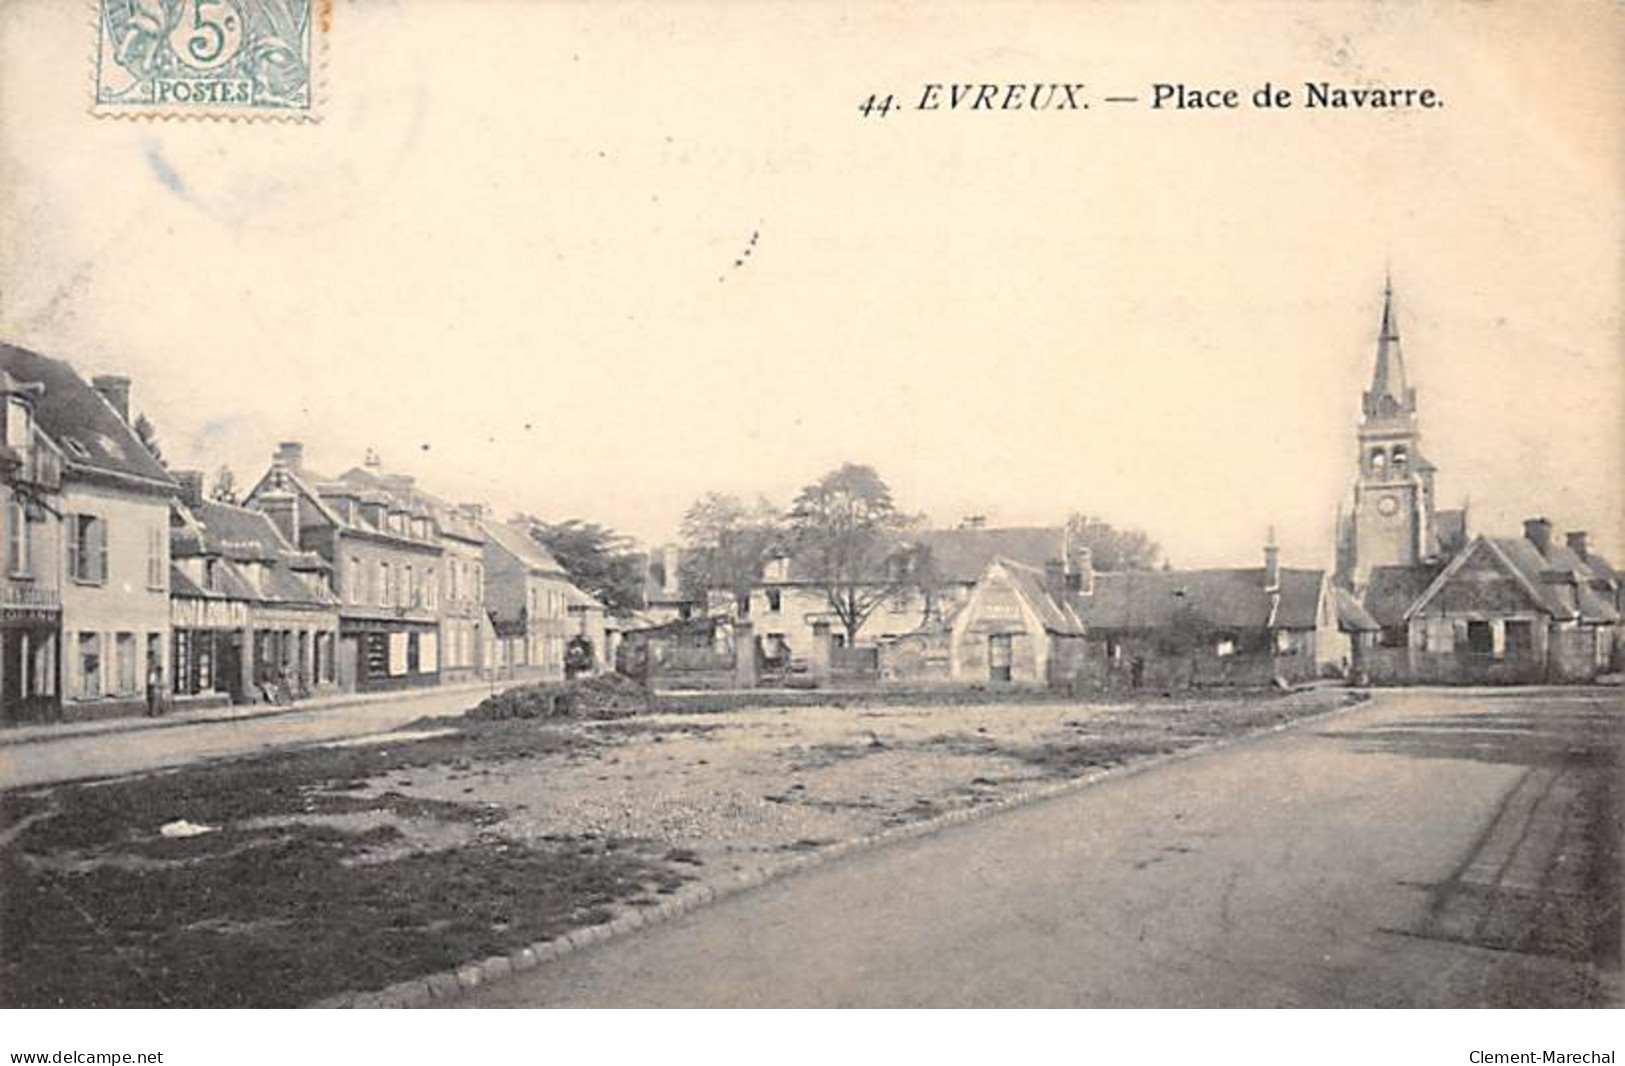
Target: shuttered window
{"points": [[87, 549], [155, 558], [18, 561]]}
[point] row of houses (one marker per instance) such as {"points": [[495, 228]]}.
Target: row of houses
{"points": [[122, 579], [1414, 597], [124, 583]]}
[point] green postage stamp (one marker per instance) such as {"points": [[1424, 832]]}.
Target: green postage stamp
{"points": [[222, 58]]}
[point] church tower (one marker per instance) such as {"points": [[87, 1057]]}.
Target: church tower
{"points": [[1392, 523]]}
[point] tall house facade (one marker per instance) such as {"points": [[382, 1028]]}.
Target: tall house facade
{"points": [[31, 582], [113, 547], [465, 631], [385, 553], [527, 594]]}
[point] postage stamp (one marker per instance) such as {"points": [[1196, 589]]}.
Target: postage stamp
{"points": [[223, 58]]}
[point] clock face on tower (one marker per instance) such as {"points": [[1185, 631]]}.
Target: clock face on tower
{"points": [[1387, 505]]}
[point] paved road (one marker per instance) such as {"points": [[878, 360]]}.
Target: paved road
{"points": [[111, 754], [1428, 849]]}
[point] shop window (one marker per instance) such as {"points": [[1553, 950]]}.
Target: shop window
{"points": [[1520, 637], [377, 654], [399, 650]]}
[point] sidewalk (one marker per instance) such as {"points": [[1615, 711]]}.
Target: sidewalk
{"points": [[35, 734]]}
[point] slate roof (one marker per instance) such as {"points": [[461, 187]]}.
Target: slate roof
{"points": [[238, 535], [961, 556], [1601, 567], [1390, 591], [1450, 529], [522, 546], [89, 433], [1056, 617], [1352, 617], [1526, 559], [1593, 602], [1221, 599]]}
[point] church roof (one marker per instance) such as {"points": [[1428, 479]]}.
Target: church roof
{"points": [[1390, 392]]}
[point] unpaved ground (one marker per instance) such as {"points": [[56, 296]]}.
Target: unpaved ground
{"points": [[726, 793], [354, 864]]}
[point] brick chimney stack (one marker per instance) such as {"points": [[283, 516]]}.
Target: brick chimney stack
{"points": [[191, 483], [291, 454], [1080, 574], [115, 389], [1055, 579], [1272, 564], [1538, 531], [1576, 539]]}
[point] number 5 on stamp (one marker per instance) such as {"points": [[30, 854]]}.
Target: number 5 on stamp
{"points": [[227, 58]]}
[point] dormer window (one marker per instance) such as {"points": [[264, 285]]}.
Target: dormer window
{"points": [[19, 423]]}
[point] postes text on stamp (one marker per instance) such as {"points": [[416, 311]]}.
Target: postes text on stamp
{"points": [[228, 58]]}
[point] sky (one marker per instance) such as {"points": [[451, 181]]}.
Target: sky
{"points": [[511, 259]]}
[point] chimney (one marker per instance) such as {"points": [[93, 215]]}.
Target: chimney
{"points": [[1577, 543], [282, 508], [1055, 579], [291, 454], [115, 389], [1538, 531], [973, 521], [1272, 564], [474, 512], [191, 483], [1080, 577], [372, 461], [673, 577]]}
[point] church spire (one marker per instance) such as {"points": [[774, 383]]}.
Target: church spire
{"points": [[1389, 394]]}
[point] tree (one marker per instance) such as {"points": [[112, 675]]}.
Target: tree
{"points": [[148, 435], [846, 533], [726, 543], [1111, 548], [598, 560], [224, 489]]}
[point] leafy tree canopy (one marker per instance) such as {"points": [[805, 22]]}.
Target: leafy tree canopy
{"points": [[600, 561], [1112, 548]]}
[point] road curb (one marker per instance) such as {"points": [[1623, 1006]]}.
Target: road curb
{"points": [[450, 984], [333, 703]]}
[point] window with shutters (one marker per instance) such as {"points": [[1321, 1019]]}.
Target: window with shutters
{"points": [[155, 558], [124, 648], [19, 549], [87, 549], [90, 666]]}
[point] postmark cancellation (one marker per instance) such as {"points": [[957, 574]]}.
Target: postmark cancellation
{"points": [[219, 58]]}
